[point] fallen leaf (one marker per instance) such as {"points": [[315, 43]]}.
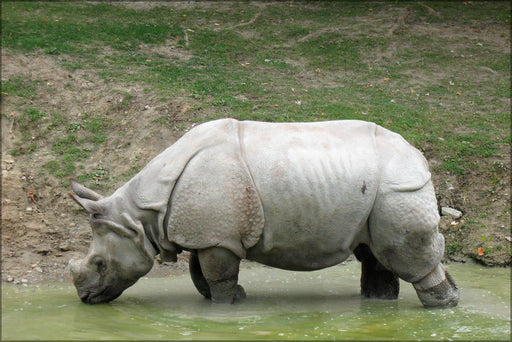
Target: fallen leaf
{"points": [[32, 196], [413, 91], [481, 251], [454, 223]]}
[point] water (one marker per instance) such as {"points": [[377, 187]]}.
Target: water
{"points": [[280, 305]]}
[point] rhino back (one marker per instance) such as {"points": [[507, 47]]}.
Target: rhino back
{"points": [[403, 168], [317, 183]]}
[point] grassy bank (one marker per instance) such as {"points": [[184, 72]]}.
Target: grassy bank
{"points": [[95, 90]]}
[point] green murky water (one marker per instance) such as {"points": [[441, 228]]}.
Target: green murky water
{"points": [[280, 305]]}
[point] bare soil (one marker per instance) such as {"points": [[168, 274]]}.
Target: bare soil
{"points": [[42, 229]]}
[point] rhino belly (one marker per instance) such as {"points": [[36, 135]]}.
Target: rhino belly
{"points": [[311, 238], [296, 259], [317, 185]]}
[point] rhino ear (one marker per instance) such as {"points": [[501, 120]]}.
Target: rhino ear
{"points": [[84, 192], [91, 206]]}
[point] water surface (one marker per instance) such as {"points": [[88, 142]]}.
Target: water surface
{"points": [[280, 305]]}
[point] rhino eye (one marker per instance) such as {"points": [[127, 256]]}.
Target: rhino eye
{"points": [[99, 263]]}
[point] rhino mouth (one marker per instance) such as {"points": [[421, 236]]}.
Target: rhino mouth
{"points": [[104, 295]]}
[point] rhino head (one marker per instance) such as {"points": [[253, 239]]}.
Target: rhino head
{"points": [[120, 252]]}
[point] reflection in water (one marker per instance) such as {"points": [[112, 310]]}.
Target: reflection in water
{"points": [[280, 305]]}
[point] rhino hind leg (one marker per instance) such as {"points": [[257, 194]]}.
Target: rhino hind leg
{"points": [[376, 280], [405, 239], [197, 275], [220, 268]]}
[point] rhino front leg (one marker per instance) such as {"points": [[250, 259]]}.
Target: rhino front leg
{"points": [[197, 276], [376, 280], [220, 269]]}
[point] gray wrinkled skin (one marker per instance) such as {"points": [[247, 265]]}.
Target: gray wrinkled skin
{"points": [[297, 196]]}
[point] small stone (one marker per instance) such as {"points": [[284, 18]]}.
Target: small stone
{"points": [[10, 279], [24, 281], [65, 246], [29, 209], [43, 249], [447, 211]]}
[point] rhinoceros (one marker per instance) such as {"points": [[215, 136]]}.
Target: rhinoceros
{"points": [[295, 196]]}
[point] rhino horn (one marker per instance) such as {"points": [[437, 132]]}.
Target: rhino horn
{"points": [[84, 192]]}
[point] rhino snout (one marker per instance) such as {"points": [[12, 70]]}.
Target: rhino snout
{"points": [[73, 267]]}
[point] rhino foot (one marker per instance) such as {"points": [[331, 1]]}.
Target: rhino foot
{"points": [[438, 289], [225, 292]]}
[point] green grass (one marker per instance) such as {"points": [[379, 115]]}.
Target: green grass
{"points": [[20, 86]]}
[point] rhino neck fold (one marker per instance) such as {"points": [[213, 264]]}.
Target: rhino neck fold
{"points": [[161, 245]]}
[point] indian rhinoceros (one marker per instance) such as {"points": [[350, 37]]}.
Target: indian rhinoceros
{"points": [[295, 196]]}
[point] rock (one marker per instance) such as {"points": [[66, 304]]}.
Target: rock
{"points": [[10, 279], [43, 249], [65, 246], [447, 211]]}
